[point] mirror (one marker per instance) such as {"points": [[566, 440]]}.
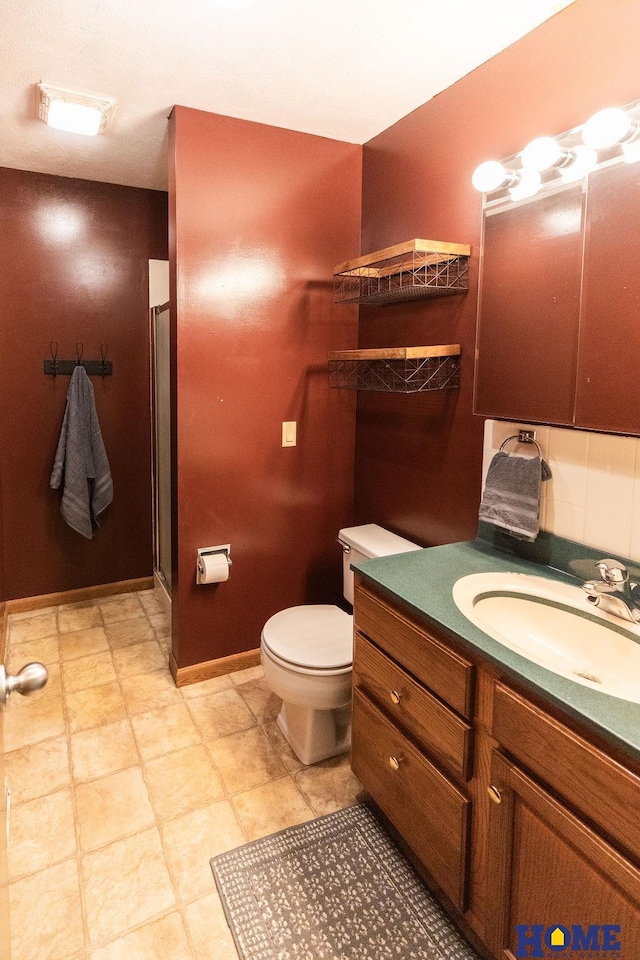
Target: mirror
{"points": [[559, 317]]}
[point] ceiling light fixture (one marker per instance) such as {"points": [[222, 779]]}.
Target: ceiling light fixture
{"points": [[74, 112]]}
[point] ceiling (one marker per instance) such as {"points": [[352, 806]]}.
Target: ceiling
{"points": [[345, 69]]}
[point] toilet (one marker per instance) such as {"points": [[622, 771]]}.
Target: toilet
{"points": [[307, 653]]}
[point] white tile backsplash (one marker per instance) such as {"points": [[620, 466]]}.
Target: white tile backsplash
{"points": [[594, 495]]}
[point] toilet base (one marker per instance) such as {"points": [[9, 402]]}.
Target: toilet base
{"points": [[316, 735]]}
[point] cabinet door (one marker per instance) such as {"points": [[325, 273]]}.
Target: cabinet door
{"points": [[530, 310], [609, 354], [549, 870]]}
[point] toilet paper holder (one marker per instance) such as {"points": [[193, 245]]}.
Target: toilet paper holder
{"points": [[224, 548]]}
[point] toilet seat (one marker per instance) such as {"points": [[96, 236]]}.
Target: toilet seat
{"points": [[314, 638]]}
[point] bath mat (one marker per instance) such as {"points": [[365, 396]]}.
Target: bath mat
{"points": [[336, 888]]}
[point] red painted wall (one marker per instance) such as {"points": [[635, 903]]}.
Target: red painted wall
{"points": [[418, 459], [259, 216], [74, 267]]}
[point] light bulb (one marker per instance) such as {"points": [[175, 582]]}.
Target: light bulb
{"points": [[606, 128], [489, 176], [541, 153], [527, 186], [631, 151], [584, 160]]}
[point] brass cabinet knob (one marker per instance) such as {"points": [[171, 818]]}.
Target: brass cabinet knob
{"points": [[394, 762], [494, 794], [395, 696]]}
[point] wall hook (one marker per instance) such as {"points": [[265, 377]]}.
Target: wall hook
{"points": [[53, 347], [79, 352], [104, 350]]}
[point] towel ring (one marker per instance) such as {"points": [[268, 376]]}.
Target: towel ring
{"points": [[522, 437]]}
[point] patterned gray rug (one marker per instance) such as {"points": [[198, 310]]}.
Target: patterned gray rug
{"points": [[336, 888]]}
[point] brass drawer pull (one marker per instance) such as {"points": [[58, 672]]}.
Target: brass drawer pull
{"points": [[394, 762], [395, 696], [494, 794]]}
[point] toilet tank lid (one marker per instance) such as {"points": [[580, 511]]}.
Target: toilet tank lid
{"points": [[374, 541]]}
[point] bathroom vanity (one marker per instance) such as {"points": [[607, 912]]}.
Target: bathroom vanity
{"points": [[516, 792]]}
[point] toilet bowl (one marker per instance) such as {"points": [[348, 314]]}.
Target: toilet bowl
{"points": [[307, 654]]}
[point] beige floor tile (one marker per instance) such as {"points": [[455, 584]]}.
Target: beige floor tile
{"points": [[125, 885], [192, 839], [42, 720], [208, 930], [42, 649], [43, 833], [161, 624], [220, 714], [103, 750], [95, 706], [206, 687], [163, 731], [244, 676], [280, 744], [150, 692], [329, 785], [245, 760], [86, 672], [34, 627], [112, 808], [52, 688], [182, 781], [38, 770], [46, 914], [79, 618], [139, 658], [264, 704], [126, 632], [163, 939], [125, 606], [150, 602], [27, 614], [82, 643], [273, 806]]}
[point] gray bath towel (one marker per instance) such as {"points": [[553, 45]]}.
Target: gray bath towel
{"points": [[81, 459], [511, 498]]}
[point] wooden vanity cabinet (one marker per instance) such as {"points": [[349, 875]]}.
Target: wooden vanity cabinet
{"points": [[517, 816]]}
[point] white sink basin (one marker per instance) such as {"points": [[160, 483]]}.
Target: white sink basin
{"points": [[554, 625]]}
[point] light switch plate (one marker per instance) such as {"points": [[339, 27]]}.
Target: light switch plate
{"points": [[288, 433]]}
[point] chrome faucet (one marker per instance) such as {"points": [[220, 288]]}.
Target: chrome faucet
{"points": [[615, 593]]}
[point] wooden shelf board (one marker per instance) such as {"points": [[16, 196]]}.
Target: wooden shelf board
{"points": [[366, 266], [398, 353]]}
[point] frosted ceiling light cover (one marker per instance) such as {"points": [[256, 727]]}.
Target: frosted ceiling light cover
{"points": [[489, 176], [541, 153], [606, 128], [73, 112]]}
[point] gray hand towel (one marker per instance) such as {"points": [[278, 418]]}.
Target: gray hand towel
{"points": [[81, 459], [511, 498]]}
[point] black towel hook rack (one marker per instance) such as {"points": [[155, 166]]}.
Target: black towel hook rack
{"points": [[95, 368]]}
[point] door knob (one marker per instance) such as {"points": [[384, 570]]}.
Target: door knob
{"points": [[394, 762], [395, 696], [32, 677], [494, 794]]}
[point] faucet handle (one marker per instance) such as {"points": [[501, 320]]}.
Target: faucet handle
{"points": [[613, 572]]}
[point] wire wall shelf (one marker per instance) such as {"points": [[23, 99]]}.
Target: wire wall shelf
{"points": [[406, 271], [397, 369]]}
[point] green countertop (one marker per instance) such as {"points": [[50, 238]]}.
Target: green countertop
{"points": [[424, 580]]}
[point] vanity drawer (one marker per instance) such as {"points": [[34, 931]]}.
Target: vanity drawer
{"points": [[592, 782], [430, 813], [449, 675], [440, 731]]}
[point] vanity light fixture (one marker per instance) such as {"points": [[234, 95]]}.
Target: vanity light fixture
{"points": [[609, 135], [72, 111]]}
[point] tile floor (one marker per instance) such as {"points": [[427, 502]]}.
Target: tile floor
{"points": [[123, 787]]}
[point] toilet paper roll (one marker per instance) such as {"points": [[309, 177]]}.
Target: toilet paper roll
{"points": [[213, 568]]}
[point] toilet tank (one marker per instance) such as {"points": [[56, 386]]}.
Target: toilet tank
{"points": [[363, 542]]}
